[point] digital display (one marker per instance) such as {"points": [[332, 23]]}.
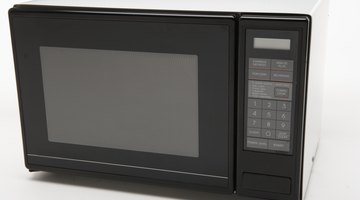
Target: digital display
{"points": [[272, 43]]}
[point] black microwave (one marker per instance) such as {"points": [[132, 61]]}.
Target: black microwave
{"points": [[218, 96]]}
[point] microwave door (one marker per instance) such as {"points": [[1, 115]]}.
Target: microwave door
{"points": [[134, 96]]}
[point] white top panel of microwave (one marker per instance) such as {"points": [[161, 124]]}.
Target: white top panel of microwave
{"points": [[262, 6]]}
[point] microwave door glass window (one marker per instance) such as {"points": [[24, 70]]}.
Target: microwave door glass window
{"points": [[138, 101]]}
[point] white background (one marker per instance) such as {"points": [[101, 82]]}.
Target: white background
{"points": [[336, 174]]}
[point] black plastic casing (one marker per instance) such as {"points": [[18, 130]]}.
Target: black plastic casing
{"points": [[250, 173]]}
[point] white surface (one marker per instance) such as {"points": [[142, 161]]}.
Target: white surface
{"points": [[276, 6], [315, 91], [336, 174]]}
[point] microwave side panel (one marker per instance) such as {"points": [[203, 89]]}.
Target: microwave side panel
{"points": [[317, 58]]}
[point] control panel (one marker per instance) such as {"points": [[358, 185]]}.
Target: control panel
{"points": [[270, 84], [272, 78]]}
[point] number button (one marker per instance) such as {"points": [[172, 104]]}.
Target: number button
{"points": [[268, 104], [254, 113], [268, 114], [268, 124], [283, 105], [254, 103], [255, 123], [284, 116], [267, 133], [283, 125]]}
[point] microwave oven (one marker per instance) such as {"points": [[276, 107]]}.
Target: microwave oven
{"points": [[217, 95]]}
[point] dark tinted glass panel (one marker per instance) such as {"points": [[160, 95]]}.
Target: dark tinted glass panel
{"points": [[140, 101]]}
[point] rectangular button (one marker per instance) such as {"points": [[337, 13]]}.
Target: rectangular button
{"points": [[254, 123], [269, 104], [259, 74], [282, 92], [283, 125], [282, 76], [254, 113], [254, 132], [259, 63], [283, 106], [254, 103], [268, 124], [287, 65], [284, 116], [278, 145], [268, 114], [266, 89], [257, 143], [268, 133], [282, 135]]}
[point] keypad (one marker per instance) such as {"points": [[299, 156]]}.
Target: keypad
{"points": [[269, 123], [269, 111]]}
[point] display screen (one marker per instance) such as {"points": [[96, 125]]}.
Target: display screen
{"points": [[272, 43], [139, 101]]}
